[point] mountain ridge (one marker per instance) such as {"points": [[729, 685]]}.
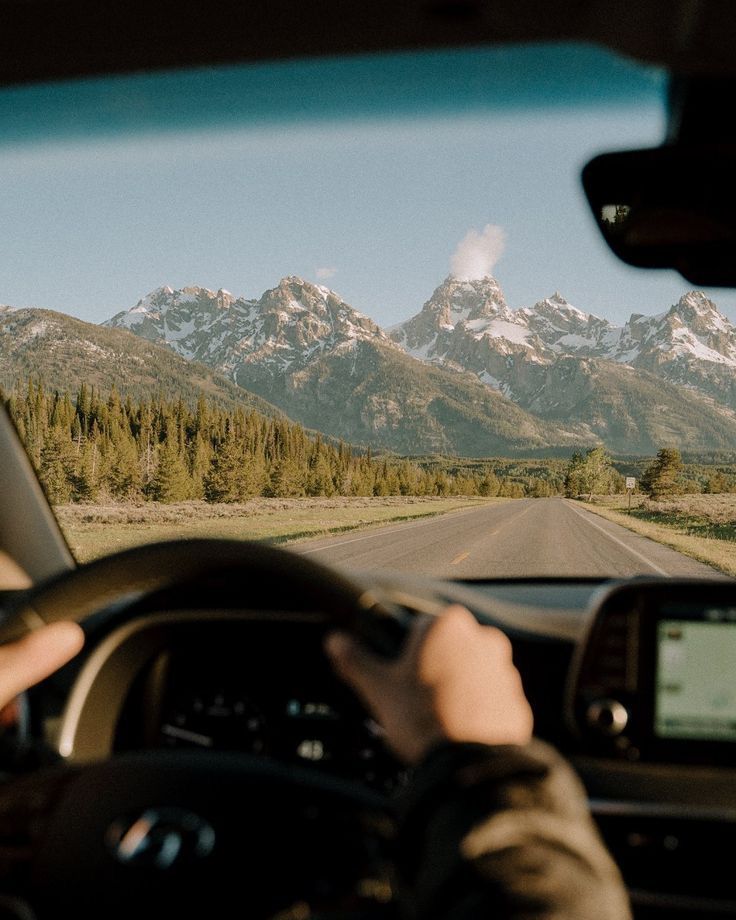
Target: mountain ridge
{"points": [[467, 374], [581, 376], [63, 350]]}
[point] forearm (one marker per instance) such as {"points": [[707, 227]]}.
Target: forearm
{"points": [[504, 832]]}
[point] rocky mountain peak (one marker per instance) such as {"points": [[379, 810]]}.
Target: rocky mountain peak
{"points": [[700, 314], [289, 326], [455, 305], [320, 312], [164, 300], [154, 301], [456, 300], [555, 316]]}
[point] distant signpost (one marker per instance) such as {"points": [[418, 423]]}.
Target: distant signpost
{"points": [[630, 486]]}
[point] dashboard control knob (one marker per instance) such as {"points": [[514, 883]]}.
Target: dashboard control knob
{"points": [[607, 716]]}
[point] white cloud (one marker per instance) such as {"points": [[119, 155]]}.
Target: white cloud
{"points": [[477, 253], [324, 273]]}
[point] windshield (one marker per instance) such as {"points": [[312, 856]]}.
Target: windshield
{"points": [[360, 307]]}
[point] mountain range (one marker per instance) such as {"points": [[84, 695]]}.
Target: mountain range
{"points": [[468, 325], [664, 379], [466, 375], [63, 351]]}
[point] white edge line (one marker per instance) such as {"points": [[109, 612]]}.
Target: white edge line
{"points": [[408, 525], [652, 565]]}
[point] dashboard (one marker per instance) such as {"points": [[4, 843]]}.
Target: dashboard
{"points": [[631, 680], [636, 671]]}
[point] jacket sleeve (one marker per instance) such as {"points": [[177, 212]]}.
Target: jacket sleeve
{"points": [[503, 832]]}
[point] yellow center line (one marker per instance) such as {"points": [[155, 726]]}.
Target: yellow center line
{"points": [[492, 533], [459, 558]]}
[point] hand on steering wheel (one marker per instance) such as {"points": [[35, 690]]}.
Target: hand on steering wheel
{"points": [[36, 656], [455, 681]]}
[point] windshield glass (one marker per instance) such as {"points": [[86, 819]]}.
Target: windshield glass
{"points": [[295, 301]]}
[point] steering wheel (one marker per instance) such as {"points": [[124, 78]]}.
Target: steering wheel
{"points": [[208, 832]]}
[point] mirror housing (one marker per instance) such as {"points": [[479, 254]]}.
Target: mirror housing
{"points": [[669, 207]]}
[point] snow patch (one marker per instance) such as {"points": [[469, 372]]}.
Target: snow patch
{"points": [[490, 380], [500, 329], [173, 334]]}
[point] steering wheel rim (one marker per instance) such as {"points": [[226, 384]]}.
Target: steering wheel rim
{"points": [[148, 568]]}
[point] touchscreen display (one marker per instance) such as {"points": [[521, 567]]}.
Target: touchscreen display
{"points": [[696, 680]]}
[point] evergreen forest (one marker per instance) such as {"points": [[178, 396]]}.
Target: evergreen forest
{"points": [[92, 446], [101, 446]]}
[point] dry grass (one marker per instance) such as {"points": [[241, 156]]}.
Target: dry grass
{"points": [[94, 530], [715, 509], [701, 526]]}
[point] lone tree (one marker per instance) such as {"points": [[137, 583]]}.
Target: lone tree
{"points": [[589, 474], [662, 477]]}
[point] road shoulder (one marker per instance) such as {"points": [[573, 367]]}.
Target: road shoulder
{"points": [[720, 555]]}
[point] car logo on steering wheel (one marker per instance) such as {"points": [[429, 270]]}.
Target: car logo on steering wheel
{"points": [[161, 838]]}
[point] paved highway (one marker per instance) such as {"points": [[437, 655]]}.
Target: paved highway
{"points": [[525, 537]]}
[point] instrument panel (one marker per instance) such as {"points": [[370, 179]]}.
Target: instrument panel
{"points": [[260, 686]]}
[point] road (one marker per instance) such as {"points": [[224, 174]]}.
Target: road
{"points": [[525, 537]]}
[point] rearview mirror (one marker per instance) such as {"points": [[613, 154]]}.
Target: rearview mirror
{"points": [[669, 207]]}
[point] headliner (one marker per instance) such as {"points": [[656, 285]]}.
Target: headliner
{"points": [[54, 39]]}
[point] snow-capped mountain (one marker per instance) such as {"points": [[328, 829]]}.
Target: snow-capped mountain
{"points": [[692, 344], [285, 330], [61, 351], [302, 347], [469, 325], [447, 379]]}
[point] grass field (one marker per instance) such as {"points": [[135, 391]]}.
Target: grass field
{"points": [[94, 530], [701, 526]]}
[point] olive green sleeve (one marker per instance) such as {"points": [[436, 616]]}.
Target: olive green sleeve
{"points": [[504, 832]]}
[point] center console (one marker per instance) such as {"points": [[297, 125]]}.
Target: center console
{"points": [[655, 680]]}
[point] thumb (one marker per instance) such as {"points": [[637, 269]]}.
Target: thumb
{"points": [[36, 656]]}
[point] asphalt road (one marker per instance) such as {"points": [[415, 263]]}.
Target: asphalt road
{"points": [[525, 537]]}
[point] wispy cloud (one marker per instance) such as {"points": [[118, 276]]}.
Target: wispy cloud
{"points": [[477, 253], [324, 273]]}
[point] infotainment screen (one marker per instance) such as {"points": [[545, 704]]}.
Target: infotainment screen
{"points": [[696, 678]]}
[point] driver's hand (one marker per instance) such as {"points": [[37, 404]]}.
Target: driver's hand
{"points": [[455, 681], [29, 660]]}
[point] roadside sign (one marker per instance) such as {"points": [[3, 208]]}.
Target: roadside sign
{"points": [[630, 483]]}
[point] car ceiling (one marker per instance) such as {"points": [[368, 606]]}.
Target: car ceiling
{"points": [[51, 39]]}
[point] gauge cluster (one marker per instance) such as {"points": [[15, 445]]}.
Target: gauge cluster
{"points": [[258, 687]]}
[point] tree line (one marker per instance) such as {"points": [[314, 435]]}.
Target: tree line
{"points": [[592, 472], [93, 446]]}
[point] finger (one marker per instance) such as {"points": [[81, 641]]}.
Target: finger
{"points": [[365, 672], [36, 656], [448, 637], [350, 655]]}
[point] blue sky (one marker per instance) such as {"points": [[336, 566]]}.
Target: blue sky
{"points": [[371, 203]]}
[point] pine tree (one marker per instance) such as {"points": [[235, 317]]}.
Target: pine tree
{"points": [[123, 478], [287, 479], [171, 482], [662, 477], [56, 466], [222, 482]]}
